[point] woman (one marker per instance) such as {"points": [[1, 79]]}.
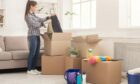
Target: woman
{"points": [[34, 23]]}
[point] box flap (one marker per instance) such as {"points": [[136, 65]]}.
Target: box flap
{"points": [[46, 36], [61, 36], [85, 59], [92, 39], [79, 39], [116, 59], [89, 38]]}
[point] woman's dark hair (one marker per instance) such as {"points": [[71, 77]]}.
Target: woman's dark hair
{"points": [[28, 6]]}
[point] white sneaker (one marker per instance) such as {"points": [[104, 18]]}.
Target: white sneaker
{"points": [[37, 71], [32, 72]]}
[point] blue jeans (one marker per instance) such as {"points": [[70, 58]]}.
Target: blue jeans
{"points": [[34, 50]]}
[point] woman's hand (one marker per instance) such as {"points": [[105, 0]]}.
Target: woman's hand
{"points": [[53, 14]]}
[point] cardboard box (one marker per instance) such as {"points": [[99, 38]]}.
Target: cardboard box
{"points": [[83, 43], [72, 63], [57, 43], [53, 65], [108, 72]]}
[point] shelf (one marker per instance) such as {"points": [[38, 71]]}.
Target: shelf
{"points": [[2, 12]]}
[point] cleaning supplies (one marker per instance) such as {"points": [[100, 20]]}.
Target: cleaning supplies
{"points": [[92, 60], [79, 78], [134, 76], [89, 53], [71, 76], [108, 58], [134, 71], [84, 78], [96, 59]]}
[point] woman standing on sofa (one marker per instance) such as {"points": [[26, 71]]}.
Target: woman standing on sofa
{"points": [[34, 24]]}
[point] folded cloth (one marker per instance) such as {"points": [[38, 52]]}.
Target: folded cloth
{"points": [[134, 71], [48, 25], [56, 24]]}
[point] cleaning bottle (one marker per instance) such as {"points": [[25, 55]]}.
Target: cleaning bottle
{"points": [[84, 78], [90, 53], [79, 79]]}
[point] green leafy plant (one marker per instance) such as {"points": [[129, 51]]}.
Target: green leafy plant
{"points": [[1, 18], [70, 13], [73, 52], [41, 9]]}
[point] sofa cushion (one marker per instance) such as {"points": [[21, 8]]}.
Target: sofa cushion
{"points": [[2, 43], [21, 55], [13, 43], [5, 56]]}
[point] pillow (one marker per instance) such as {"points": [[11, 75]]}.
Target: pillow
{"points": [[1, 50]]}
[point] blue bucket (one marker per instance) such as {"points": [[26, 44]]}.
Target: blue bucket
{"points": [[70, 76], [133, 79]]}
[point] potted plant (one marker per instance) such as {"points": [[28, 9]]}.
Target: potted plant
{"points": [[69, 13], [1, 18], [73, 52]]}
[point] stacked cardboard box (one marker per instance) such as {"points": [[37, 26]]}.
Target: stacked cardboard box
{"points": [[55, 60], [57, 43], [56, 49], [83, 43], [56, 52]]}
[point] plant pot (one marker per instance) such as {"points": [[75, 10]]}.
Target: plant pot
{"points": [[1, 19], [73, 55]]}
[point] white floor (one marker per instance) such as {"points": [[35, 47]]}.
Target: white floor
{"points": [[23, 78]]}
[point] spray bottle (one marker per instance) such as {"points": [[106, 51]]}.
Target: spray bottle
{"points": [[84, 78], [79, 78], [89, 53]]}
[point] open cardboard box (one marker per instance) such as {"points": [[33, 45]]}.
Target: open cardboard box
{"points": [[83, 43], [57, 43], [107, 72]]}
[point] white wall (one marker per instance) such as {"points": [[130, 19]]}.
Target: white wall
{"points": [[107, 19], [107, 26], [107, 22], [66, 6], [14, 18]]}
